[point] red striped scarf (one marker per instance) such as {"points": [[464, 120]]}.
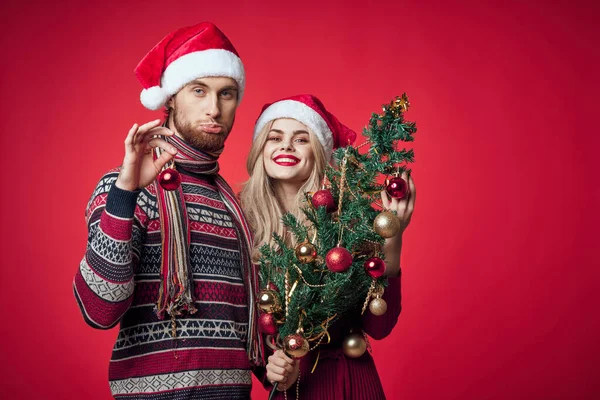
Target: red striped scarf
{"points": [[176, 288]]}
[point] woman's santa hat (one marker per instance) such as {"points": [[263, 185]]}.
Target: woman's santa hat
{"points": [[310, 111], [186, 54]]}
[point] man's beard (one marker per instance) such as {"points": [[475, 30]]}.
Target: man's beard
{"points": [[196, 137]]}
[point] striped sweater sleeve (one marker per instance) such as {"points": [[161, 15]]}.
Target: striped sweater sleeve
{"points": [[378, 327], [104, 284]]}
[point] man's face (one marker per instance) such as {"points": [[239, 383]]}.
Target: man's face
{"points": [[203, 112]]}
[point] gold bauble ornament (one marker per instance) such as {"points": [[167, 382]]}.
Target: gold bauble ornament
{"points": [[386, 224], [378, 306], [268, 301], [295, 345], [306, 252], [354, 345]]}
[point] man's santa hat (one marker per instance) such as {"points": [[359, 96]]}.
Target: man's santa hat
{"points": [[186, 54], [310, 111]]}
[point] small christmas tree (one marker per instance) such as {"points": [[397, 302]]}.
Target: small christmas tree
{"points": [[336, 267]]}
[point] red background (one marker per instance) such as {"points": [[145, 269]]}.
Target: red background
{"points": [[500, 270]]}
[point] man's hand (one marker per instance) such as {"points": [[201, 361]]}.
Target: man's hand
{"points": [[139, 169]]}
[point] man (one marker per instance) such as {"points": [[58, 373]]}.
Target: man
{"points": [[171, 264]]}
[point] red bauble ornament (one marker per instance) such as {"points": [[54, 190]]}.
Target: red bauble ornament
{"points": [[266, 324], [323, 198], [397, 188], [295, 345], [338, 259], [169, 179], [375, 267], [273, 287]]}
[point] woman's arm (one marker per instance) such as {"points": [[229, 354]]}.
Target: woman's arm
{"points": [[404, 210], [378, 327]]}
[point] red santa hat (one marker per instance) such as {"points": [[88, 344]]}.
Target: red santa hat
{"points": [[310, 111], [186, 54]]}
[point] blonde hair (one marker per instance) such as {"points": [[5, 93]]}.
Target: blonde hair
{"points": [[262, 208]]}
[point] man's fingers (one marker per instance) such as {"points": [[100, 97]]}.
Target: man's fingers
{"points": [[130, 135], [145, 136], [149, 129], [161, 161], [148, 125], [156, 142], [159, 130]]}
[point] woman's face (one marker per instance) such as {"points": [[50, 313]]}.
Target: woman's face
{"points": [[288, 155]]}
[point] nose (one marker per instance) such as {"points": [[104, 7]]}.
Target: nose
{"points": [[213, 108], [286, 144]]}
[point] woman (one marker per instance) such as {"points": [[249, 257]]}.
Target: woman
{"points": [[293, 141]]}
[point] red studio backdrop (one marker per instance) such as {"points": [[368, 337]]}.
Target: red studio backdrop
{"points": [[500, 264]]}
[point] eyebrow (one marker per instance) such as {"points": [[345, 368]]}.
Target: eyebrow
{"points": [[298, 132], [199, 82]]}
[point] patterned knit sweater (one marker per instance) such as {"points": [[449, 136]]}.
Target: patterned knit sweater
{"points": [[118, 282]]}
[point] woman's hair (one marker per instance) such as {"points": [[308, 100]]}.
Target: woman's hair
{"points": [[262, 208]]}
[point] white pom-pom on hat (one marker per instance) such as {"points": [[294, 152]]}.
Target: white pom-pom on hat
{"points": [[153, 98]]}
